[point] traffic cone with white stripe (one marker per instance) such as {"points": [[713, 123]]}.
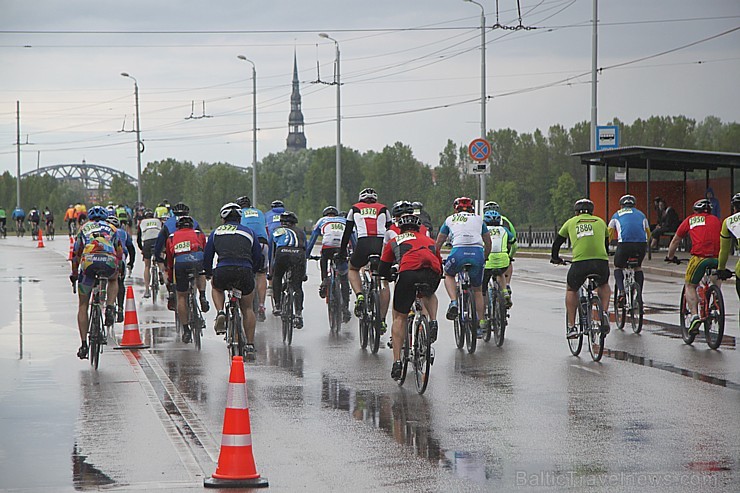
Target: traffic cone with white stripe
{"points": [[41, 240], [236, 467], [71, 248], [131, 338]]}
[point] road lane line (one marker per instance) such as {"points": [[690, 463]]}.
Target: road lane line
{"points": [[586, 369]]}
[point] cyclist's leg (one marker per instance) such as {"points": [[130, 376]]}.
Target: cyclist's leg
{"points": [[219, 299], [84, 289], [356, 262], [576, 276], [147, 273], [694, 273], [182, 287], [299, 273], [200, 283], [260, 278], [385, 299], [451, 267], [278, 270], [403, 297], [245, 283]]}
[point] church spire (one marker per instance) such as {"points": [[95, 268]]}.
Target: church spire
{"points": [[296, 138]]}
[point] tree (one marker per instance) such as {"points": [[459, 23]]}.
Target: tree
{"points": [[562, 198]]}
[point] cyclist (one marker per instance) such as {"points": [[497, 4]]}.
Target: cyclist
{"points": [[505, 222], [704, 230], [97, 250], [730, 231], [632, 230], [146, 237], [3, 219], [331, 229], [122, 213], [70, 219], [19, 216], [128, 253], [80, 214], [372, 219], [498, 261], [34, 218], [238, 249], [48, 219], [589, 238], [471, 244], [418, 261], [254, 219], [185, 247], [288, 251], [426, 219], [162, 211]]}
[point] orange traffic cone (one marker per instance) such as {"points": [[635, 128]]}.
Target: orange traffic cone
{"points": [[131, 338], [236, 467], [71, 248], [41, 240]]}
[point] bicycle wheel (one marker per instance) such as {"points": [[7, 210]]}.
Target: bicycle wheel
{"points": [[334, 305], [576, 343], [714, 324], [595, 336], [373, 334], [93, 335], [620, 312], [490, 312], [405, 350], [684, 315], [287, 304], [233, 329], [471, 323], [195, 321], [636, 311], [422, 355], [499, 319], [459, 326]]}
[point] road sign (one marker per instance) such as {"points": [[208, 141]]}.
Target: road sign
{"points": [[607, 137], [479, 150]]}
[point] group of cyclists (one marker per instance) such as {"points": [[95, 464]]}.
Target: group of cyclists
{"points": [[34, 219]]}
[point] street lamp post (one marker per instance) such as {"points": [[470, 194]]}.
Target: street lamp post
{"points": [[254, 128], [337, 81], [482, 90], [138, 135]]}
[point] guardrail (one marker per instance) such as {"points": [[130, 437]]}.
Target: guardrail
{"points": [[536, 238]]}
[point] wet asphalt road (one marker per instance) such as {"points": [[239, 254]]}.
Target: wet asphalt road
{"points": [[655, 414]]}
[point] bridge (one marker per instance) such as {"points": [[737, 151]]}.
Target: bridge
{"points": [[93, 177]]}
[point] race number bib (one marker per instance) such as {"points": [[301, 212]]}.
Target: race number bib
{"points": [[584, 230], [182, 247]]}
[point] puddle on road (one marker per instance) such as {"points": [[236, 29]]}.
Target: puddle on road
{"points": [[84, 475], [641, 360]]}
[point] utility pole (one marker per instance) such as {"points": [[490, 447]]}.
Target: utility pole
{"points": [[18, 152]]}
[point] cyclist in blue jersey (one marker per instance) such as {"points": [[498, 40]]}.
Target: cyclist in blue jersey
{"points": [[19, 216], [288, 251], [632, 230], [128, 253], [254, 219]]}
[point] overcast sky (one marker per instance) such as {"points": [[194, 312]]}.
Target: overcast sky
{"points": [[410, 72]]}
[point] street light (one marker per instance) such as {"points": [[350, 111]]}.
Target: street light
{"points": [[138, 134], [254, 128], [482, 89], [339, 120]]}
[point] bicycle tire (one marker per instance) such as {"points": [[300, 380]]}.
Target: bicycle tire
{"points": [[636, 309], [620, 313], [334, 305], [154, 280], [195, 321], [93, 334], [714, 324], [499, 319], [405, 351], [422, 352], [576, 344], [595, 336], [471, 322], [684, 315], [375, 321], [288, 308], [490, 312], [363, 325]]}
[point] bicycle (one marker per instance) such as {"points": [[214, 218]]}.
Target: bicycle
{"points": [[370, 321], [236, 339], [417, 348], [195, 317], [632, 301], [287, 307], [589, 321], [50, 231], [19, 229], [154, 279], [466, 322], [3, 230], [334, 300], [496, 313], [96, 334], [711, 311]]}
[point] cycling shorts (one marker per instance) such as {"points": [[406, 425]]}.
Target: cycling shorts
{"points": [[369, 245], [489, 273], [231, 276], [466, 255], [580, 270], [628, 250], [148, 248], [182, 270], [697, 266], [261, 269], [404, 292], [104, 265]]}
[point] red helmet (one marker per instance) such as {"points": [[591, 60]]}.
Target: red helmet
{"points": [[463, 204]]}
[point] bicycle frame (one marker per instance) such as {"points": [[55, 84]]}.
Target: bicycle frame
{"points": [[96, 333], [194, 315], [287, 306], [711, 311], [466, 330], [235, 337], [370, 321]]}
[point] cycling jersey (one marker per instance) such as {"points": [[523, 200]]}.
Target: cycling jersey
{"points": [[369, 219], [2, 213], [588, 236], [730, 230], [254, 219], [168, 227], [287, 239], [393, 231], [18, 213], [48, 216], [162, 212], [272, 219], [127, 243], [464, 229], [33, 216], [122, 214], [149, 229], [185, 246], [704, 230], [412, 250], [331, 229], [500, 245], [630, 225], [69, 215], [236, 245]]}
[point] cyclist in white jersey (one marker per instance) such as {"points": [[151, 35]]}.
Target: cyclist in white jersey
{"points": [[146, 238]]}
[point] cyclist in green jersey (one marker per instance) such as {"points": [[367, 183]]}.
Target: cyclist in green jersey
{"points": [[505, 222], [589, 238]]}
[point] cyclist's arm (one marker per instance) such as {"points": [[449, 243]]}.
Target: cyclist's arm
{"points": [[256, 254], [138, 238], [441, 238], [348, 229], [131, 251], [312, 241], [726, 239], [555, 252], [159, 245], [486, 243], [208, 254], [674, 245]]}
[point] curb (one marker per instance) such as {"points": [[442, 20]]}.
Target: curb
{"points": [[648, 269]]}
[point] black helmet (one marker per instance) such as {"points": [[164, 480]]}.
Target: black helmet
{"points": [[583, 206], [230, 210], [184, 222], [402, 207], [490, 206], [368, 195], [277, 203], [148, 213], [736, 201], [627, 201], [180, 209], [288, 217], [702, 205], [409, 221], [244, 202], [331, 210]]}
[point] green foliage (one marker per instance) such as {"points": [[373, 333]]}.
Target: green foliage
{"points": [[562, 198]]}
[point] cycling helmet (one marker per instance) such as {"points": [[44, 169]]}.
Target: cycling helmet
{"points": [[463, 204], [97, 213], [180, 209], [148, 213], [244, 202], [288, 217], [410, 221], [491, 206], [166, 203], [417, 204], [402, 207], [110, 209], [368, 195], [492, 218], [583, 206], [702, 205], [230, 209], [114, 221], [184, 222], [277, 203], [736, 201], [331, 210], [627, 201]]}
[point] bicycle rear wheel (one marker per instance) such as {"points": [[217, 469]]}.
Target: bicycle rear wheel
{"points": [[499, 319], [374, 325], [714, 324], [490, 312], [334, 306], [620, 312], [405, 350], [576, 343], [595, 335], [471, 322], [94, 332], [636, 310], [422, 355], [684, 316], [459, 326], [195, 321], [287, 314]]}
